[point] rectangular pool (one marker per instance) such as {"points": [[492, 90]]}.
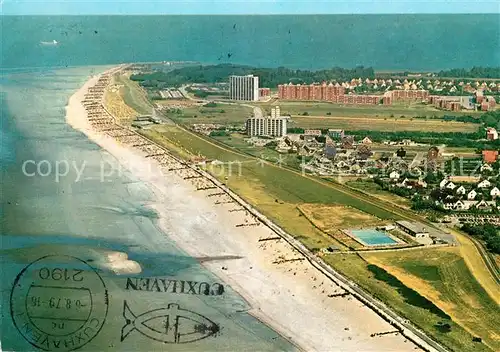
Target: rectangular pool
{"points": [[373, 237]]}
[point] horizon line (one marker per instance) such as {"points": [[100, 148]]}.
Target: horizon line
{"points": [[251, 14]]}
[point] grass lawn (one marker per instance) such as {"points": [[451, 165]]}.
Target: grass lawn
{"points": [[331, 219], [221, 113], [323, 108], [133, 95], [442, 276], [431, 288], [389, 124], [279, 183], [372, 188], [476, 265], [113, 101]]}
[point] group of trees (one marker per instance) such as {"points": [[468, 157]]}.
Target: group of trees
{"points": [[475, 72], [268, 77], [488, 233], [488, 119]]}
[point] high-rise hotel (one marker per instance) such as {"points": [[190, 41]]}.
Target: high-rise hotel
{"points": [[244, 88], [272, 126]]}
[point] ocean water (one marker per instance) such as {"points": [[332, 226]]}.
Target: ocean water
{"points": [[82, 217], [416, 42]]}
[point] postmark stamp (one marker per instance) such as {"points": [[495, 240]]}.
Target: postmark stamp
{"points": [[58, 303], [172, 324]]}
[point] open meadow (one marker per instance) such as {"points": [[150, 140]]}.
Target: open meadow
{"points": [[133, 95], [388, 124], [433, 288], [370, 187], [329, 109]]}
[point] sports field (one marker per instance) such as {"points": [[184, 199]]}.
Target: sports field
{"points": [[387, 124]]}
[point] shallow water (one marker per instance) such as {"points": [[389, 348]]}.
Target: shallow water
{"points": [[76, 221]]}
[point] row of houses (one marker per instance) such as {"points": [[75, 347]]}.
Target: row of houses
{"points": [[463, 205]]}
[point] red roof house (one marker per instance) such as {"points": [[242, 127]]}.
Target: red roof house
{"points": [[490, 156]]}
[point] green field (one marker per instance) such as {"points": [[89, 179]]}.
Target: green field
{"points": [[386, 124], [221, 114], [430, 288], [323, 109], [372, 188], [133, 95], [281, 183]]}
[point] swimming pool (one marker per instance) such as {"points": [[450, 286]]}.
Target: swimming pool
{"points": [[373, 237]]}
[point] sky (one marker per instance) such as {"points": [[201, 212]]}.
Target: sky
{"points": [[178, 7]]}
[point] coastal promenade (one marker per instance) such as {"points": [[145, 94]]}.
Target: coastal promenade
{"points": [[103, 122]]}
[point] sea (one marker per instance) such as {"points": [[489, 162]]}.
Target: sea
{"points": [[56, 295]]}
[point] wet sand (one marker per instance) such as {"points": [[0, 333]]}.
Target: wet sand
{"points": [[285, 291]]}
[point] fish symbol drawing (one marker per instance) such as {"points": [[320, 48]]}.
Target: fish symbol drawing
{"points": [[169, 325]]}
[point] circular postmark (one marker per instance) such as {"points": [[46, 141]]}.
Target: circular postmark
{"points": [[58, 303]]}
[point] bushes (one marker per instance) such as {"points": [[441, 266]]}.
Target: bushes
{"points": [[487, 233], [410, 296]]}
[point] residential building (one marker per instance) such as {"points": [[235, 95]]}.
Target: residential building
{"points": [[484, 184], [460, 190], [443, 183], [490, 156], [471, 195], [407, 95], [394, 175], [264, 92], [433, 153], [312, 132], [335, 133], [244, 88], [366, 140], [491, 134], [479, 96], [495, 192], [274, 125], [450, 185], [415, 229]]}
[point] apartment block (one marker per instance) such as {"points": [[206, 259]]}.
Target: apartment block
{"points": [[264, 92], [274, 125], [244, 88], [309, 91]]}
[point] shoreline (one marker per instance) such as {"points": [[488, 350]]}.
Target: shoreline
{"points": [[272, 276]]}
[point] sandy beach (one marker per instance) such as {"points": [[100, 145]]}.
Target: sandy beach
{"points": [[283, 288]]}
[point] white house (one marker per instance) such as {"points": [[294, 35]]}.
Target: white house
{"points": [[486, 167], [459, 205], [471, 195], [450, 185], [495, 192], [461, 190], [484, 184], [366, 140], [443, 183], [394, 175], [485, 205]]}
